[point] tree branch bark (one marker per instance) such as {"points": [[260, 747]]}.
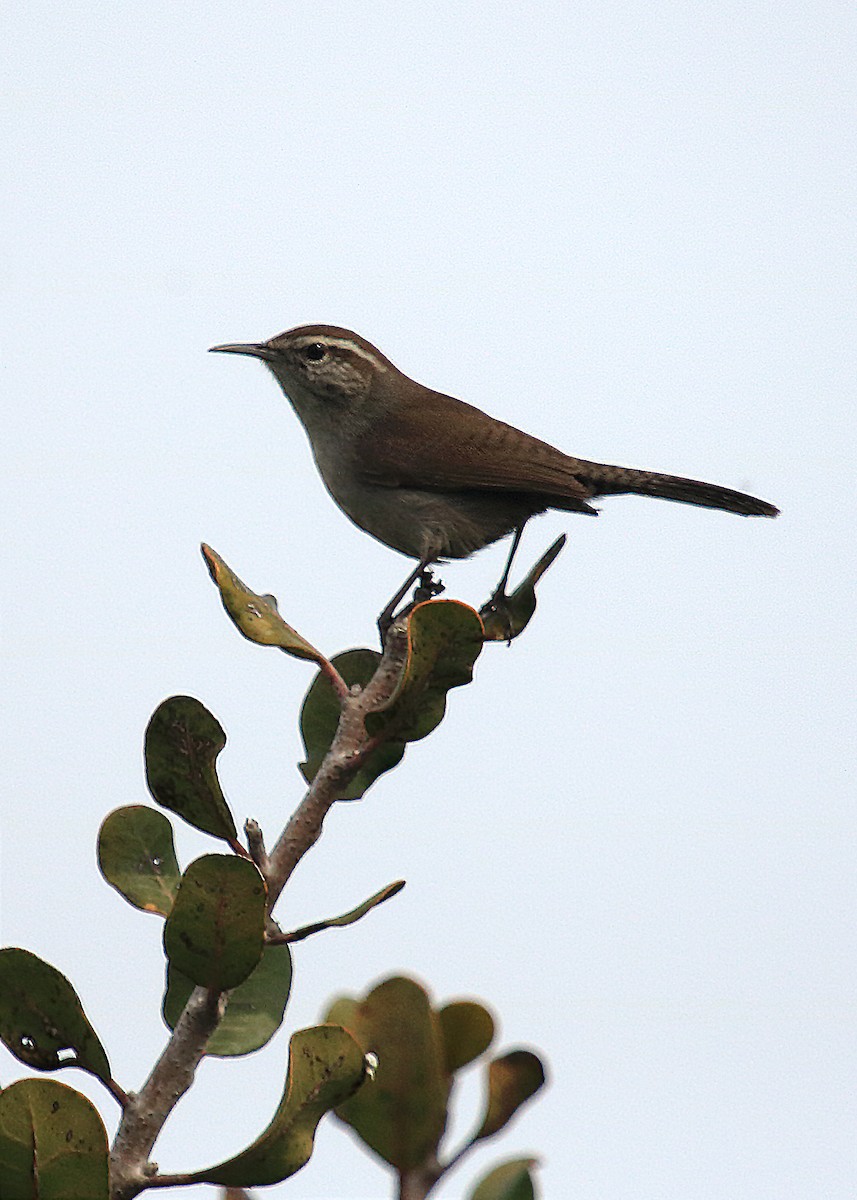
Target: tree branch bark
{"points": [[147, 1112]]}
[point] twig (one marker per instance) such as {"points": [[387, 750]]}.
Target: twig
{"points": [[256, 844]]}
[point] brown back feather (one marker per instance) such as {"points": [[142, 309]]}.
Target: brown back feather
{"points": [[439, 443]]}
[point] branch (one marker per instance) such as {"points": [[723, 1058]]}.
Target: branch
{"points": [[172, 1075], [146, 1113], [347, 752]]}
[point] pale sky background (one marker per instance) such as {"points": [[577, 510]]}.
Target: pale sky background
{"points": [[628, 228]]}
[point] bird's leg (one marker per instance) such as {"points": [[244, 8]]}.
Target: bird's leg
{"points": [[497, 600], [428, 586], [499, 593]]}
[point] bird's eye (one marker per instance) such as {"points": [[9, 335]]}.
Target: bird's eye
{"points": [[315, 351]]}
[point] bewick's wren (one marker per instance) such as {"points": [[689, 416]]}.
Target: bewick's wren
{"points": [[428, 475]]}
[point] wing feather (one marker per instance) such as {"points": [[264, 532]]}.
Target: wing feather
{"points": [[442, 444]]}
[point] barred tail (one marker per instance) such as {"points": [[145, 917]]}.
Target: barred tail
{"points": [[612, 481]]}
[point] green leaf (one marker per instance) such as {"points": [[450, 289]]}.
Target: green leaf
{"points": [[343, 1011], [509, 1181], [256, 616], [254, 1010], [137, 857], [392, 889], [325, 1065], [320, 717], [215, 930], [42, 1020], [513, 1079], [53, 1145], [468, 1031], [513, 615], [444, 640], [402, 1115], [183, 739]]}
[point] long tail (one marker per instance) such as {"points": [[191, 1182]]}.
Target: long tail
{"points": [[611, 481]]}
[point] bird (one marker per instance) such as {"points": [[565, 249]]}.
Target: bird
{"points": [[429, 475]]}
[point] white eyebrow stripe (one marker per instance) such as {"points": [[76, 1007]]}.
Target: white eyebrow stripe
{"points": [[347, 344]]}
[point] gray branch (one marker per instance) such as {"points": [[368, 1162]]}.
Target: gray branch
{"points": [[173, 1073]]}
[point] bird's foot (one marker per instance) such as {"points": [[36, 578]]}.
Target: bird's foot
{"points": [[496, 614], [427, 588]]}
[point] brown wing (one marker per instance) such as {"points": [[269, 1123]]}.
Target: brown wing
{"points": [[443, 444]]}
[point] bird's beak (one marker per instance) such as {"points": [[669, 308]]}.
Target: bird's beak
{"points": [[254, 349]]}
